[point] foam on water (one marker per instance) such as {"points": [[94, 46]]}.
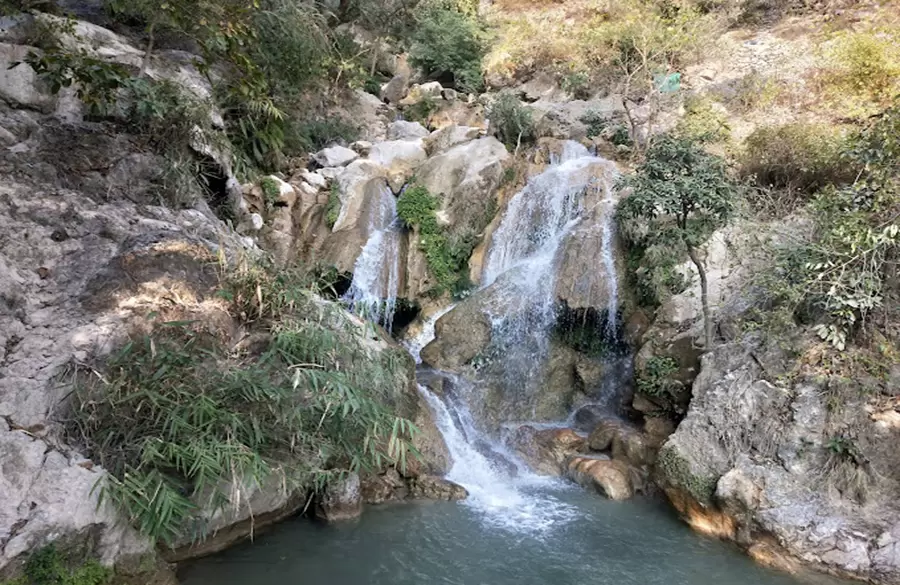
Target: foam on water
{"points": [[523, 503]]}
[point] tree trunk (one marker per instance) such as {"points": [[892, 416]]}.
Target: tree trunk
{"points": [[704, 297]]}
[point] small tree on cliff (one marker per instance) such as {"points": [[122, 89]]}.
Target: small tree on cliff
{"points": [[679, 196]]}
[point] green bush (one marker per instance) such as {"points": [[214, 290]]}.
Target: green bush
{"points": [[446, 260], [315, 134], [179, 417], [703, 122], [798, 156], [333, 207], [447, 42], [863, 65], [421, 111], [47, 566], [837, 281], [512, 121]]}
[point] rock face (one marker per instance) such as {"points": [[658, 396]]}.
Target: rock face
{"points": [[85, 254], [781, 464]]}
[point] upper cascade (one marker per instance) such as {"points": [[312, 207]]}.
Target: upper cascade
{"points": [[376, 275], [525, 256]]}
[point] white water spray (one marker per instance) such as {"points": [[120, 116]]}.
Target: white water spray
{"points": [[502, 500]]}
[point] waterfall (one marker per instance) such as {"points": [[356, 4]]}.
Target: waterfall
{"points": [[376, 274], [524, 257], [606, 250], [503, 499], [426, 336]]}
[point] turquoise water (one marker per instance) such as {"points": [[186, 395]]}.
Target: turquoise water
{"points": [[600, 543]]}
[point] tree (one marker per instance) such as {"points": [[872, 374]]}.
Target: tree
{"points": [[679, 196], [647, 45]]}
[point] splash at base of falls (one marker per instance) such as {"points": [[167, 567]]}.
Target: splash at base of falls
{"points": [[501, 489]]}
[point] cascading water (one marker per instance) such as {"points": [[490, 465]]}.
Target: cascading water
{"points": [[376, 274], [525, 255], [609, 262], [500, 486]]}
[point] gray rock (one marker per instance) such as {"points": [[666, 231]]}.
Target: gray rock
{"points": [[396, 89], [403, 130], [342, 500], [335, 156]]}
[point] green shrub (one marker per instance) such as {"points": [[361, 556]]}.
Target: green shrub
{"points": [[314, 134], [512, 121], [838, 279], [447, 42], [703, 122], [595, 122], [421, 111], [47, 566], [797, 156], [655, 380], [179, 418], [417, 208], [333, 207], [865, 66]]}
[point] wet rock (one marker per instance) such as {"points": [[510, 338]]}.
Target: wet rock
{"points": [[342, 500], [460, 335], [625, 442], [610, 478], [546, 451], [335, 156], [429, 487], [386, 487]]}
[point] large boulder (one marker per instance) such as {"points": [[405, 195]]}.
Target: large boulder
{"points": [[610, 478], [807, 462], [335, 156], [342, 500], [460, 335]]}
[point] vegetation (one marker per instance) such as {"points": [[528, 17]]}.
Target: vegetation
{"points": [[183, 420], [703, 122], [861, 70], [447, 42], [447, 261], [838, 279], [655, 377], [48, 566], [679, 196], [333, 207], [512, 121], [800, 157], [676, 469]]}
